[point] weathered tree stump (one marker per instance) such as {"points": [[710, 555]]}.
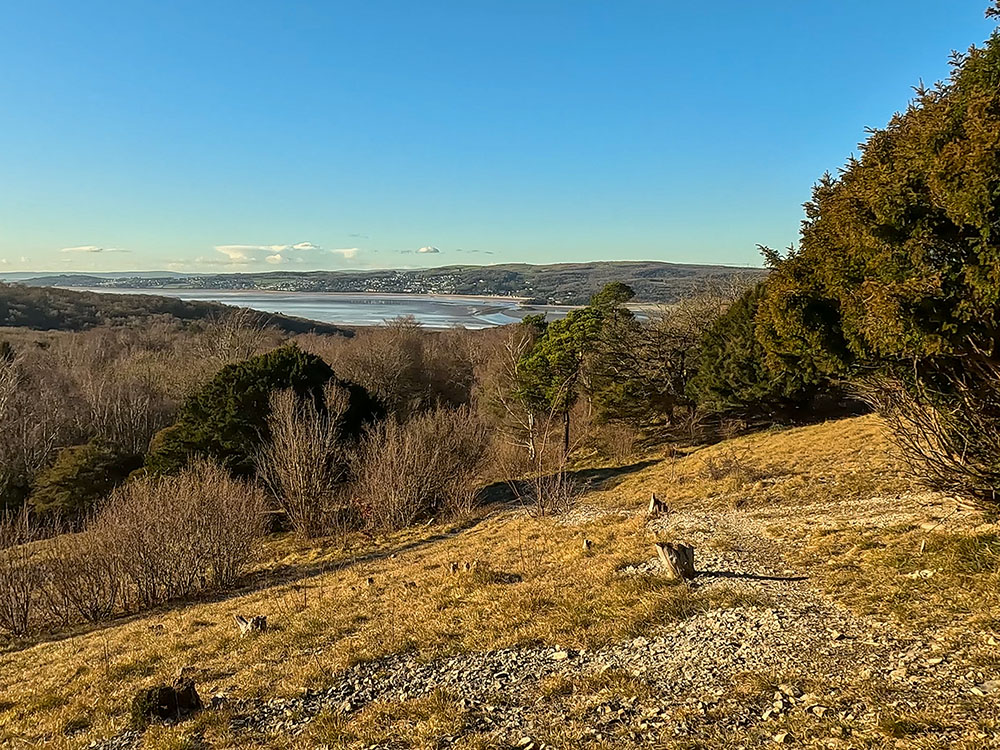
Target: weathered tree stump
{"points": [[587, 545], [255, 624], [677, 560], [165, 702], [657, 507], [453, 567]]}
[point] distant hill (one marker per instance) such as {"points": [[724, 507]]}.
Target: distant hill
{"points": [[24, 275], [71, 310], [564, 283]]}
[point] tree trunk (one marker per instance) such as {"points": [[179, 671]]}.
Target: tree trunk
{"points": [[566, 434], [531, 435]]}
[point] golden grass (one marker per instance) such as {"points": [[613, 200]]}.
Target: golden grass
{"points": [[534, 584]]}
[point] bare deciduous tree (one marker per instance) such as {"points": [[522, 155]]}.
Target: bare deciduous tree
{"points": [[305, 463], [20, 573]]}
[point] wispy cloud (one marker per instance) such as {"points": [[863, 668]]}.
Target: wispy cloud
{"points": [[276, 255], [93, 249]]}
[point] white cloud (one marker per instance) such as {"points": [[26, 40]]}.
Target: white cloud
{"points": [[428, 249], [92, 249], [276, 255]]}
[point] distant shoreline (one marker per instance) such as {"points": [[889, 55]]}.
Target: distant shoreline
{"points": [[221, 292], [359, 309]]}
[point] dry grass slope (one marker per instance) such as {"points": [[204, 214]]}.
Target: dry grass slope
{"points": [[824, 502]]}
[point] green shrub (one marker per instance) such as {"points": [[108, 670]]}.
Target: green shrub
{"points": [[80, 477], [227, 420]]}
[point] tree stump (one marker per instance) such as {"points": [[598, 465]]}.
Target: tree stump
{"points": [[255, 624], [453, 567], [165, 702], [587, 544], [677, 560], [657, 507]]}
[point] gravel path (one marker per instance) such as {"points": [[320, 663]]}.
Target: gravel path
{"points": [[781, 625]]}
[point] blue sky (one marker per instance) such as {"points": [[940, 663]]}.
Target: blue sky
{"points": [[248, 135]]}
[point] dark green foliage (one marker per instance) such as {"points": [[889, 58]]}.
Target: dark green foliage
{"points": [[14, 491], [227, 419], [80, 477], [550, 371], [612, 296], [899, 257], [733, 373], [898, 273]]}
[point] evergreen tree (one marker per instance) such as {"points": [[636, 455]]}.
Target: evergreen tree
{"points": [[898, 274], [733, 373], [227, 419], [80, 477]]}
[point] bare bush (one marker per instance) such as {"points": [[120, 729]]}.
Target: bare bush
{"points": [[305, 463], [174, 536], [410, 369], [120, 401], [20, 573], [618, 442], [429, 465], [738, 465], [83, 577], [949, 435], [233, 337]]}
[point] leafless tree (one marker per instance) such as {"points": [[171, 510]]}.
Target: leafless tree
{"points": [[305, 463], [20, 574], [233, 337]]}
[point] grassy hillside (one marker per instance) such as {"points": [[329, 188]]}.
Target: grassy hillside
{"points": [[808, 623], [69, 310]]}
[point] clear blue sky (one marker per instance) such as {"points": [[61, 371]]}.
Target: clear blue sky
{"points": [[220, 135]]}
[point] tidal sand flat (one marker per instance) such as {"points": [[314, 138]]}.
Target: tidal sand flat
{"points": [[432, 311]]}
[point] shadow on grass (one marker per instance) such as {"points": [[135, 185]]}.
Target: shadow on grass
{"points": [[517, 491]]}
